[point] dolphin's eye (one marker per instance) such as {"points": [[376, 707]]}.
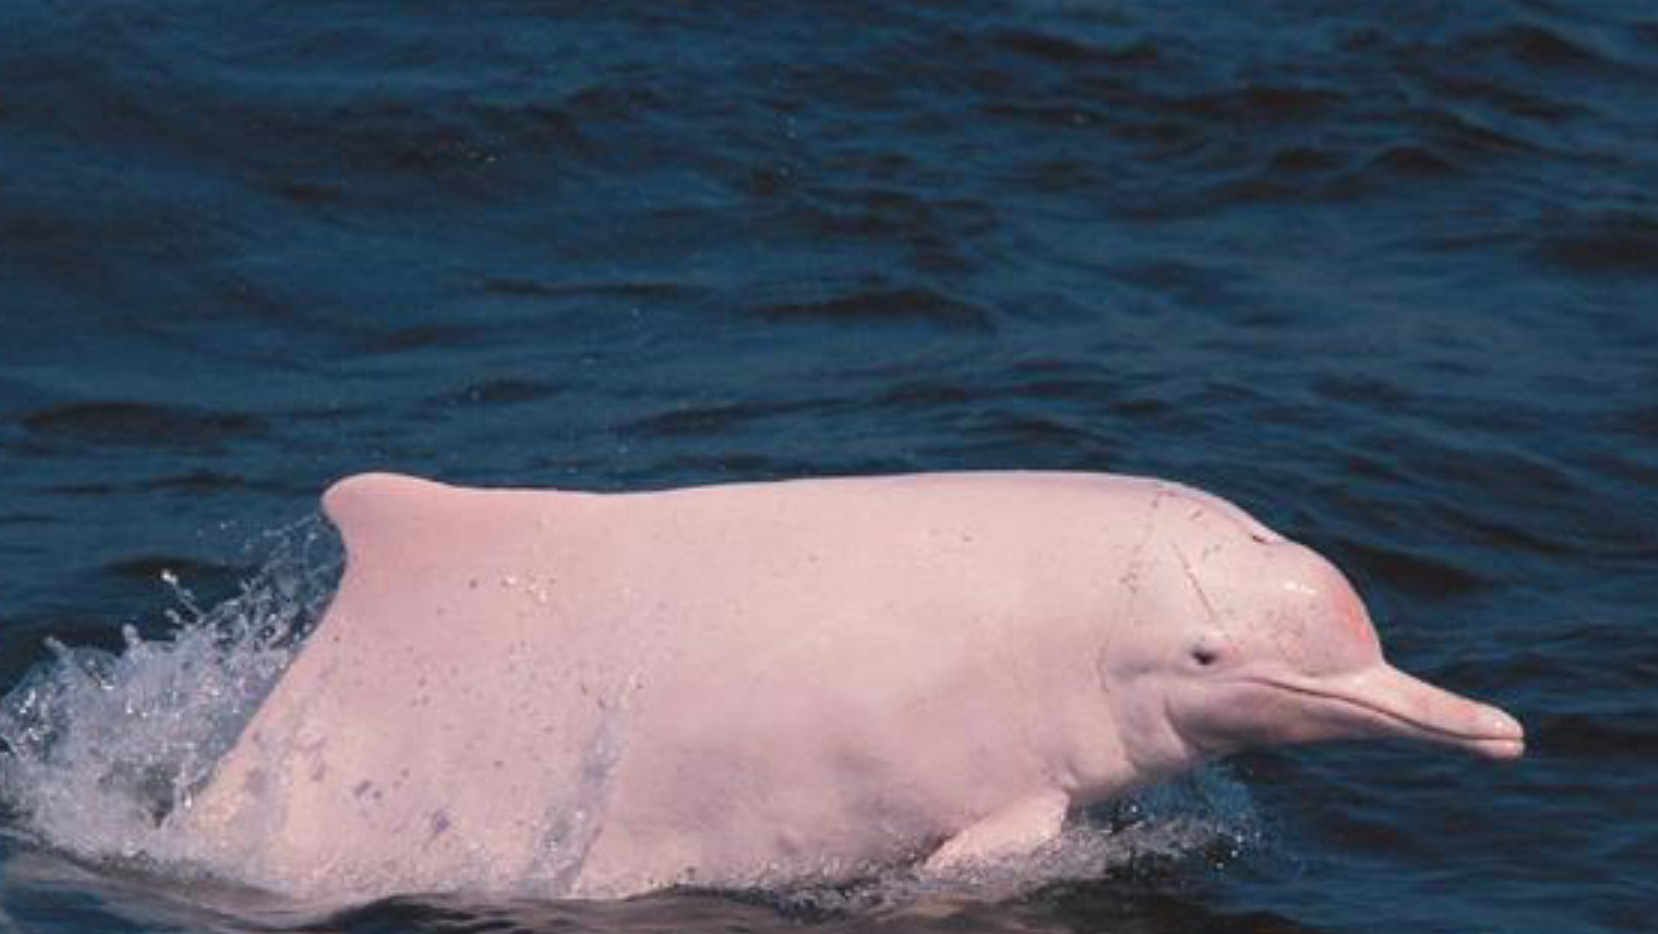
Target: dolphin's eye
{"points": [[1204, 655]]}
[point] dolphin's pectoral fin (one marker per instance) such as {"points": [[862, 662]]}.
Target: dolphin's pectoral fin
{"points": [[1015, 830]]}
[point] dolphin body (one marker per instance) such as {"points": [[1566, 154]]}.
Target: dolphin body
{"points": [[582, 695]]}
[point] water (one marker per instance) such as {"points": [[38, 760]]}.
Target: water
{"points": [[1387, 278]]}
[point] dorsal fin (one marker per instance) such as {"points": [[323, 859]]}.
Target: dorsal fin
{"points": [[387, 519], [408, 528], [371, 498]]}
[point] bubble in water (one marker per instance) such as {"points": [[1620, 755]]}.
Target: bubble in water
{"points": [[97, 748]]}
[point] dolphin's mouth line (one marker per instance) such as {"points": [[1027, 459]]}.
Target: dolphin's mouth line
{"points": [[1380, 711]]}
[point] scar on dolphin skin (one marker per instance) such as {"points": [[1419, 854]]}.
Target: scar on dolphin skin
{"points": [[1191, 575], [1129, 580]]}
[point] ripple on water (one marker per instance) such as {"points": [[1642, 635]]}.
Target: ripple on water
{"points": [[886, 304], [140, 423]]}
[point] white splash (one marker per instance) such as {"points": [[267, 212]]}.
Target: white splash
{"points": [[1206, 817], [99, 747]]}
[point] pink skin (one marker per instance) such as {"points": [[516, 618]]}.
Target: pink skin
{"points": [[573, 694]]}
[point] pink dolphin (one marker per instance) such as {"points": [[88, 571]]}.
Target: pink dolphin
{"points": [[592, 695]]}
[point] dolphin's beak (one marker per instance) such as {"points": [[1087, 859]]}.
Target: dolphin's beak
{"points": [[1381, 701]]}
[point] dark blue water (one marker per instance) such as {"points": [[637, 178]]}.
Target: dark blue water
{"points": [[1386, 277]]}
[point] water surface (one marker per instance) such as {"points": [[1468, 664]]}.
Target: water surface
{"points": [[1388, 278]]}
